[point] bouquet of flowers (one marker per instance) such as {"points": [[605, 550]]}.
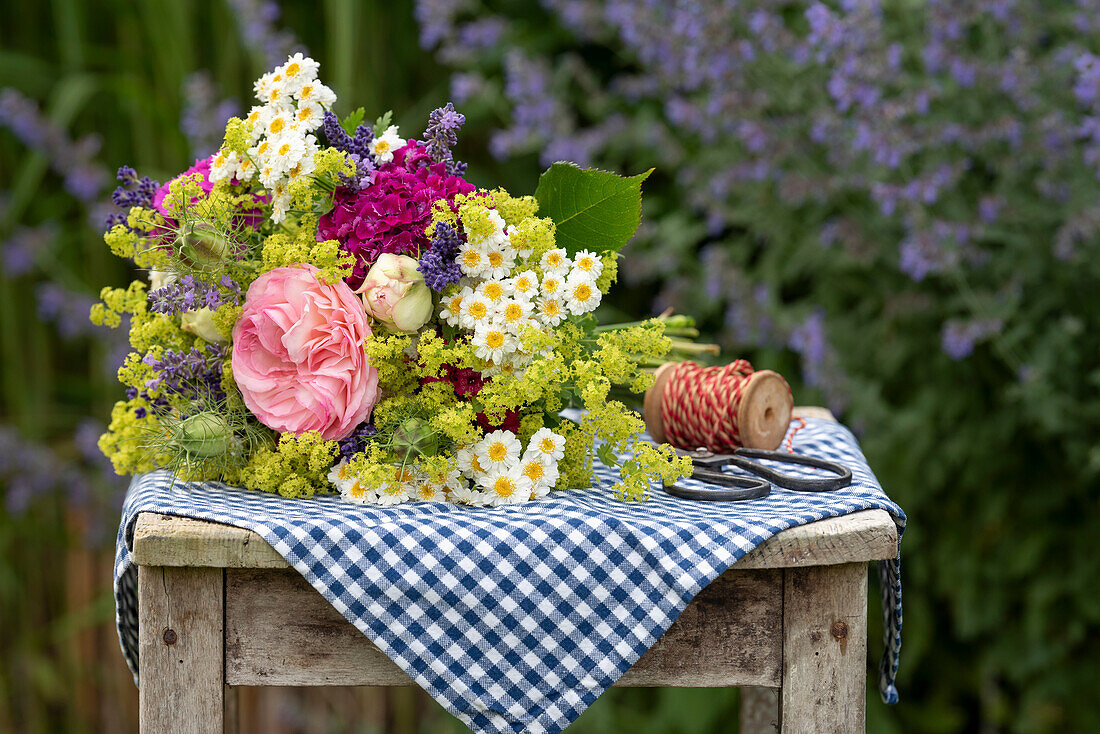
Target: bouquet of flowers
{"points": [[333, 307]]}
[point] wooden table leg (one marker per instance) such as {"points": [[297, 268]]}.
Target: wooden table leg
{"points": [[181, 616], [824, 650]]}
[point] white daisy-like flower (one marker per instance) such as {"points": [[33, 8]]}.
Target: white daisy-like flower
{"points": [[450, 307], [287, 150], [492, 341], [279, 121], [507, 486], [501, 261], [262, 86], [313, 92], [307, 163], [468, 462], [550, 311], [426, 490], [515, 314], [587, 263], [546, 444], [246, 169], [525, 286], [308, 117], [223, 165], [472, 260], [543, 474], [391, 493], [280, 203], [298, 70], [495, 292], [499, 449], [555, 262], [385, 144], [552, 286], [496, 237], [467, 494], [581, 295], [476, 311]]}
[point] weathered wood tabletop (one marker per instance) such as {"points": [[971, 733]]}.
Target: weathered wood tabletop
{"points": [[219, 608]]}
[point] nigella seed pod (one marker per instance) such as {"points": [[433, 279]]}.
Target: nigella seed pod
{"points": [[205, 435], [414, 437], [200, 244]]}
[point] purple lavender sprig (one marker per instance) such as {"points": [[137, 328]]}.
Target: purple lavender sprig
{"points": [[442, 134], [190, 294], [194, 374], [358, 144], [357, 441], [440, 263], [131, 192]]}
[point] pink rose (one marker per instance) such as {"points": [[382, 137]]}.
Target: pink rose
{"points": [[298, 354], [394, 293]]}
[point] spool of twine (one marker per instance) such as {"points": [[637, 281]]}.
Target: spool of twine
{"points": [[720, 408]]}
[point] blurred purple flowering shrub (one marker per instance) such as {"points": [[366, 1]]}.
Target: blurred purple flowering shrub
{"points": [[902, 200]]}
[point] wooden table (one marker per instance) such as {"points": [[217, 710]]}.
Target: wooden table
{"points": [[219, 608]]}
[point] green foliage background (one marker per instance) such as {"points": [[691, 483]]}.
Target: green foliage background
{"points": [[998, 474]]}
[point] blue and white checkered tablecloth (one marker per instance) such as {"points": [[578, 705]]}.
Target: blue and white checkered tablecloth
{"points": [[517, 618]]}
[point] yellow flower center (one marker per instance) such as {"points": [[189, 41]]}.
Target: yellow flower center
{"points": [[305, 92], [504, 487], [546, 445], [582, 292], [493, 290], [534, 471], [356, 490], [455, 304], [494, 339], [513, 312], [274, 95], [551, 308], [554, 260], [551, 285], [277, 125], [476, 465], [254, 116], [586, 263], [381, 147], [498, 451], [284, 149], [471, 258], [478, 310], [524, 284], [495, 259], [293, 69], [305, 113], [426, 491]]}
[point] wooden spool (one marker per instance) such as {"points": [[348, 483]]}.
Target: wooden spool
{"points": [[762, 418]]}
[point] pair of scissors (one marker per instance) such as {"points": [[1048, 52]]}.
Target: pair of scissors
{"points": [[732, 487]]}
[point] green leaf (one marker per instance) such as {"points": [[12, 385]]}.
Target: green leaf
{"points": [[383, 122], [607, 456], [353, 120], [592, 209]]}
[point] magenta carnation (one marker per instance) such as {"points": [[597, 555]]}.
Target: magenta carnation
{"points": [[392, 213]]}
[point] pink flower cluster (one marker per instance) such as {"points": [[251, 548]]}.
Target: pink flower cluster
{"points": [[392, 213], [250, 217]]}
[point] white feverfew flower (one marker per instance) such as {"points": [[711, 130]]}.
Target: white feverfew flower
{"points": [[298, 70], [476, 312], [280, 203], [308, 117], [316, 93], [552, 286], [425, 490], [587, 263], [501, 261], [555, 262], [223, 166], [286, 151], [472, 260], [496, 292], [467, 494], [492, 342], [278, 122], [525, 286], [246, 170], [450, 307], [468, 462], [496, 239], [263, 85], [550, 311], [543, 474], [507, 486], [499, 449], [515, 314], [546, 444], [385, 144], [581, 295]]}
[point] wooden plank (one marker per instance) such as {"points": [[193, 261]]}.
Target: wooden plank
{"points": [[729, 635], [165, 540], [824, 650], [180, 650], [759, 710]]}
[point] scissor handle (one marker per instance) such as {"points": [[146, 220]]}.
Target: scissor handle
{"points": [[740, 457], [733, 488]]}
